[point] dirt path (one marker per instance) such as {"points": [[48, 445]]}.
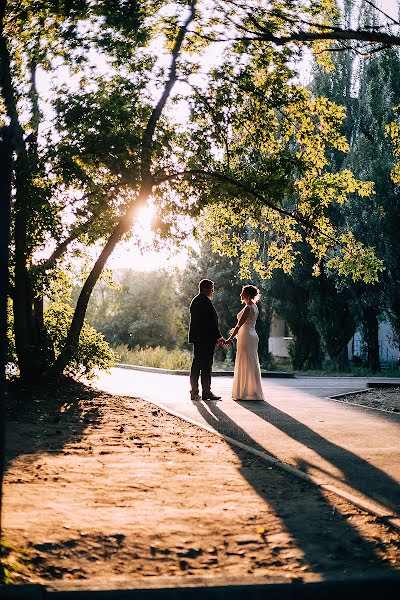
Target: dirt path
{"points": [[100, 488]]}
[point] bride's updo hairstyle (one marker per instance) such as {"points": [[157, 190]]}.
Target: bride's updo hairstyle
{"points": [[252, 292]]}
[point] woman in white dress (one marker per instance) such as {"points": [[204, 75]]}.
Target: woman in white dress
{"points": [[247, 376]]}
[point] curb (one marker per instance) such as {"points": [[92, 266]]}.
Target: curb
{"points": [[384, 384], [276, 374], [337, 398], [373, 508], [347, 394]]}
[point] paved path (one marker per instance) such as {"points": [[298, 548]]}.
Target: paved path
{"points": [[350, 447]]}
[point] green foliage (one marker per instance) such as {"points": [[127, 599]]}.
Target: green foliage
{"points": [[284, 188], [159, 357], [392, 131], [14, 563], [139, 309], [290, 297], [257, 145], [368, 221], [361, 262], [93, 352]]}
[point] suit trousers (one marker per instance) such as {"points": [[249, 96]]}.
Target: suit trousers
{"points": [[203, 356]]}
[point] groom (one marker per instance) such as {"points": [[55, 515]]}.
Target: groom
{"points": [[203, 334]]}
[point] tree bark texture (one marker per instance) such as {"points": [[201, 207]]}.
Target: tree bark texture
{"points": [[5, 203], [306, 351], [371, 328]]}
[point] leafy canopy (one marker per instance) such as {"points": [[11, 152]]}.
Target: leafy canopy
{"points": [[261, 143]]}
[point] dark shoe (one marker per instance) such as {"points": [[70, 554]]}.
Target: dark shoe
{"points": [[195, 397], [210, 396]]}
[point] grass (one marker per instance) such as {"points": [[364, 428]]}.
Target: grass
{"points": [[13, 563], [180, 360], [159, 357]]}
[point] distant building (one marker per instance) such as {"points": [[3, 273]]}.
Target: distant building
{"points": [[279, 340], [388, 349]]}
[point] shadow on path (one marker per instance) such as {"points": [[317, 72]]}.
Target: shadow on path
{"points": [[46, 419], [357, 472], [317, 528]]}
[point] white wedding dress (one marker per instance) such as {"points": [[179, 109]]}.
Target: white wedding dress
{"points": [[247, 376]]}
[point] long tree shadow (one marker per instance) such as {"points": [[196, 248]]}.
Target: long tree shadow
{"points": [[357, 472], [46, 420], [317, 529]]}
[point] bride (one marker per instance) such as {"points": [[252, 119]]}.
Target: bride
{"points": [[247, 375]]}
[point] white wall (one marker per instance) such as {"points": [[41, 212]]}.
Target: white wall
{"points": [[388, 350]]}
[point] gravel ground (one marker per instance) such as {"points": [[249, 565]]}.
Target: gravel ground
{"points": [[383, 398]]}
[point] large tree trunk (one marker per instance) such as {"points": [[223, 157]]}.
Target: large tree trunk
{"points": [[5, 202], [394, 315], [371, 328], [341, 358], [336, 342], [72, 340], [27, 343], [306, 352], [27, 337], [263, 330]]}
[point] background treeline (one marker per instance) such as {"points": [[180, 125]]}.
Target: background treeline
{"points": [[150, 310], [324, 312]]}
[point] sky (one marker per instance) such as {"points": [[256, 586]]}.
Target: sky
{"points": [[128, 255]]}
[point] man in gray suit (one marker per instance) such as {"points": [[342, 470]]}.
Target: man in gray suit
{"points": [[203, 334]]}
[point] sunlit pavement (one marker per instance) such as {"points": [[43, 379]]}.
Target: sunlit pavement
{"points": [[351, 447]]}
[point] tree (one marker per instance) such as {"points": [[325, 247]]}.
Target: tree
{"points": [[45, 173], [291, 295], [370, 156], [319, 24], [273, 177], [123, 146], [139, 309]]}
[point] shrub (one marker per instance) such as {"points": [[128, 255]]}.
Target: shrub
{"points": [[93, 351]]}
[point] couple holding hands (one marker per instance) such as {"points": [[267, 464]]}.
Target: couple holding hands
{"points": [[204, 334]]}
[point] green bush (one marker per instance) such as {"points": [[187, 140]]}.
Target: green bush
{"points": [[93, 351], [160, 357]]}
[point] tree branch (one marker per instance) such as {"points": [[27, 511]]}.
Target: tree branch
{"points": [[125, 221], [147, 139], [255, 28], [361, 35], [62, 247], [382, 12], [244, 187]]}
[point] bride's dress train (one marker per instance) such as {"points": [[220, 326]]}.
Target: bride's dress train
{"points": [[247, 375]]}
